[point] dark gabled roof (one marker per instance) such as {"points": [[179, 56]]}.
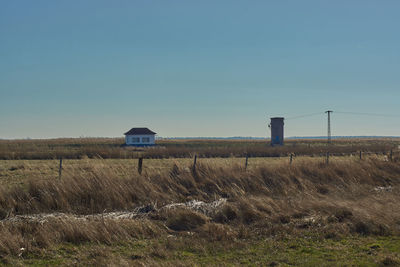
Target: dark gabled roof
{"points": [[134, 131]]}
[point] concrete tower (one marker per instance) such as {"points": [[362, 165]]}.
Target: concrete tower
{"points": [[277, 131]]}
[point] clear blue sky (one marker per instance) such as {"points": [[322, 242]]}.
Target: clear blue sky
{"points": [[197, 68]]}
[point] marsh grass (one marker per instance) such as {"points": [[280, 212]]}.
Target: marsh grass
{"points": [[270, 200], [77, 148]]}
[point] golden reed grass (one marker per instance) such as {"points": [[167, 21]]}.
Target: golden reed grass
{"points": [[339, 198]]}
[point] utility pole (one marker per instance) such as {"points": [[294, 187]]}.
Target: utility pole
{"points": [[329, 125]]}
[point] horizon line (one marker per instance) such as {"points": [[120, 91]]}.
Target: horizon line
{"points": [[213, 137]]}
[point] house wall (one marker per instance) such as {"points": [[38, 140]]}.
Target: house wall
{"points": [[129, 141]]}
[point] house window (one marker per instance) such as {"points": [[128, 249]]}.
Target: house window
{"points": [[145, 139], [135, 140]]}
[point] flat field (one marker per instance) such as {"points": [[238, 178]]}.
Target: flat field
{"points": [[101, 211], [113, 148]]}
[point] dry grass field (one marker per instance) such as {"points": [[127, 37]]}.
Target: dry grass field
{"points": [[113, 148], [21, 171], [103, 212]]}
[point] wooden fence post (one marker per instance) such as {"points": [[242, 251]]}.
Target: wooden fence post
{"points": [[360, 155], [194, 163], [291, 158], [140, 165], [247, 161], [327, 157], [60, 169], [391, 154]]}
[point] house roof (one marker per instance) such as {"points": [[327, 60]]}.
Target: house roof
{"points": [[134, 131]]}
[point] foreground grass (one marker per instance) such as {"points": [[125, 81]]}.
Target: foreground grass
{"points": [[308, 250], [309, 213]]}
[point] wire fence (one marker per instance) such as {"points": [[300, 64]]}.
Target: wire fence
{"points": [[389, 156]]}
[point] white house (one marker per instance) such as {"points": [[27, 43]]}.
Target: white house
{"points": [[140, 137]]}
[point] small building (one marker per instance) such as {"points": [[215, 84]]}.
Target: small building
{"points": [[276, 126], [140, 137]]}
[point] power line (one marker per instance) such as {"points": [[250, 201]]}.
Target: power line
{"points": [[329, 135], [343, 112], [368, 114], [304, 116]]}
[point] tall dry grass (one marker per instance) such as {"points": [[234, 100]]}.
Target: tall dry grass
{"points": [[101, 189], [342, 197]]}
